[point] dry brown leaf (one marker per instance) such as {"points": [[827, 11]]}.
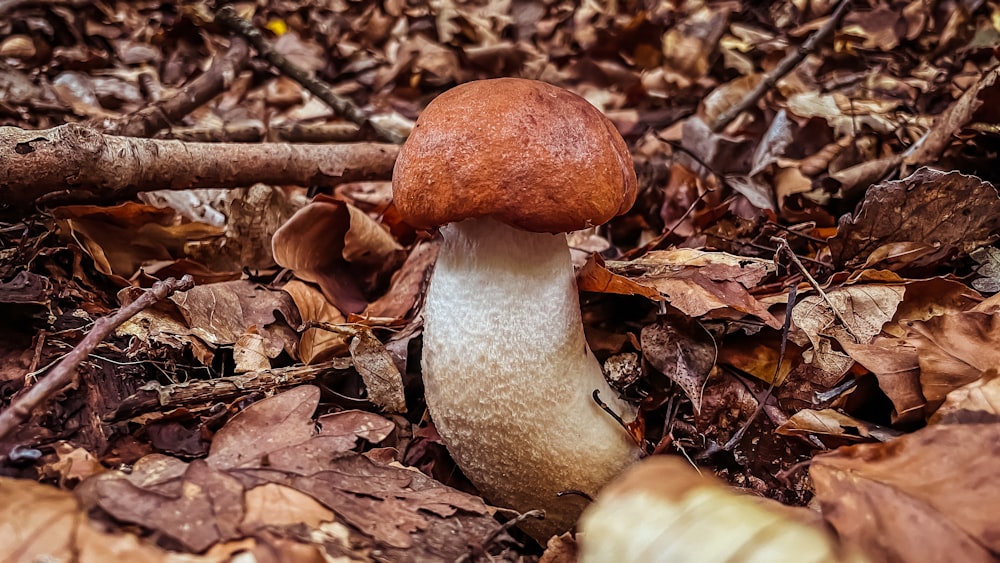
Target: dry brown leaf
{"points": [[221, 313], [408, 284], [200, 509], [42, 523], [865, 308], [338, 249], [698, 282], [596, 278], [561, 549], [73, 465], [925, 299], [828, 422], [976, 402], [264, 427], [940, 135], [250, 353], [122, 238], [880, 28], [272, 504], [954, 350], [682, 350], [894, 363], [926, 496], [950, 211], [379, 371], [355, 424], [317, 345], [273, 451], [758, 355]]}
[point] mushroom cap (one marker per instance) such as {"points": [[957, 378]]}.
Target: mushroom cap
{"points": [[522, 152]]}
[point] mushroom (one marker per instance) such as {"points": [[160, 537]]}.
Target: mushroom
{"points": [[507, 166], [662, 509]]}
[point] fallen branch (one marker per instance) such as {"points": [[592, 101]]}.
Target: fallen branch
{"points": [[154, 396], [75, 163], [784, 67], [62, 374], [217, 79], [343, 106]]}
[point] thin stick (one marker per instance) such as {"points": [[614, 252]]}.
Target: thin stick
{"points": [[160, 115], [343, 106], [784, 67], [61, 375], [783, 245]]}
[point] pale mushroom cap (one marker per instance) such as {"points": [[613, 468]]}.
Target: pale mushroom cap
{"points": [[523, 152]]}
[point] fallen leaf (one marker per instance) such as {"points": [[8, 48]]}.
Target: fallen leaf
{"points": [[976, 402], [338, 247], [317, 345], [41, 523], [682, 350], [949, 211], [379, 372], [865, 308], [829, 422], [954, 350], [698, 282], [221, 313], [988, 258], [264, 427], [596, 278], [894, 363], [926, 496], [946, 124]]}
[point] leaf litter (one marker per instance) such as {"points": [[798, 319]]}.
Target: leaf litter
{"points": [[872, 158]]}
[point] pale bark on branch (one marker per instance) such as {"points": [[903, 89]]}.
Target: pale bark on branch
{"points": [[72, 163]]}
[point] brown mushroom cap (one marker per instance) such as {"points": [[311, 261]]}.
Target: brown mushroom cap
{"points": [[523, 152]]}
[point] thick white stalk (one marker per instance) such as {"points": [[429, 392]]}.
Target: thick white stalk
{"points": [[509, 377]]}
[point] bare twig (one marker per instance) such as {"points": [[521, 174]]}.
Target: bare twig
{"points": [[479, 551], [784, 67], [158, 116], [343, 106], [62, 374], [165, 397], [762, 400], [76, 163], [783, 246]]}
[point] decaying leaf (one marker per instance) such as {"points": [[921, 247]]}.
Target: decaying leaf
{"points": [[379, 371], [926, 496], [698, 282], [989, 259], [828, 422], [954, 350], [272, 450], [894, 362], [942, 213], [864, 308], [221, 313], [976, 402], [41, 523], [337, 247], [315, 344], [122, 238], [682, 350]]}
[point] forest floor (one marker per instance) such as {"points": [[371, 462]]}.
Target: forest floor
{"points": [[803, 299]]}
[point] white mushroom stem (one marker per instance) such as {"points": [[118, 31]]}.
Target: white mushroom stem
{"points": [[509, 376]]}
